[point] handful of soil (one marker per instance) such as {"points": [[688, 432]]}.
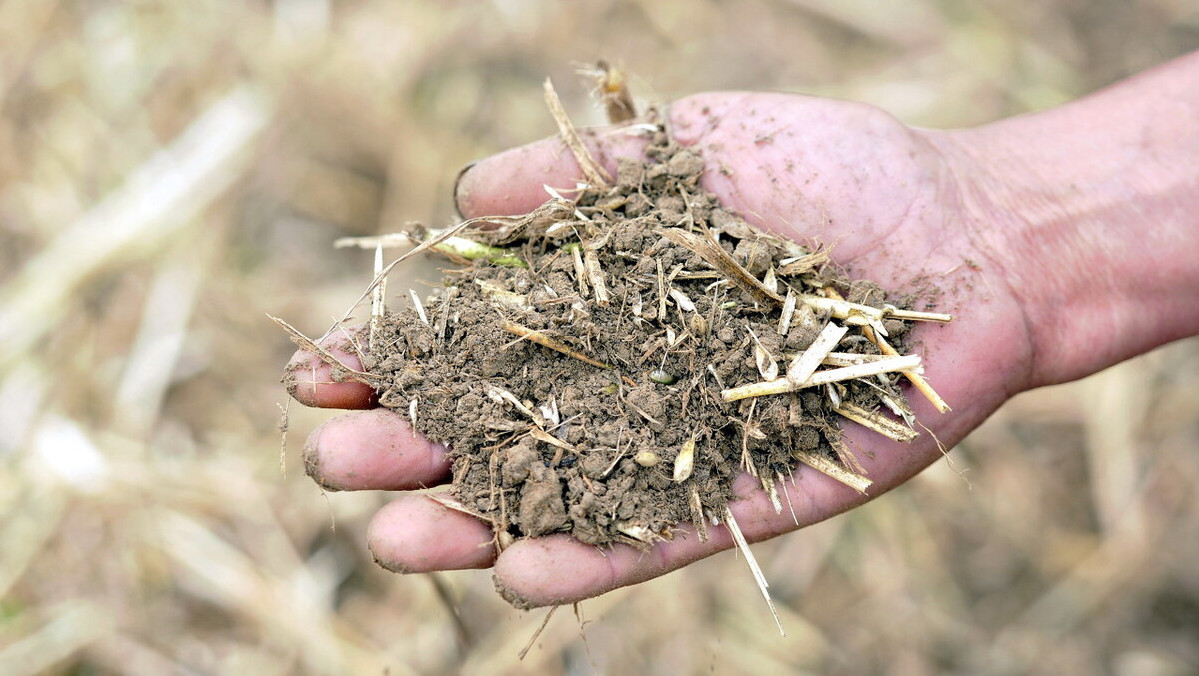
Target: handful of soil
{"points": [[604, 366]]}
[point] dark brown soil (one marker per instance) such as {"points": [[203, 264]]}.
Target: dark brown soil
{"points": [[544, 442]]}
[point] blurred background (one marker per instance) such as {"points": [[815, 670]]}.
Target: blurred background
{"points": [[171, 172]]}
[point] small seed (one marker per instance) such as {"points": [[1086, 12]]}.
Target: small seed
{"points": [[685, 461], [646, 458], [663, 377]]}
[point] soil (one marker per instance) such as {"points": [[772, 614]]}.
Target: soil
{"points": [[585, 437]]}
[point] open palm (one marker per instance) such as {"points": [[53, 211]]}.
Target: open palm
{"points": [[893, 204]]}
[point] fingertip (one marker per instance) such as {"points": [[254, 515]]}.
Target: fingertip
{"points": [[513, 182], [458, 186], [313, 382], [373, 450], [416, 534], [525, 572]]}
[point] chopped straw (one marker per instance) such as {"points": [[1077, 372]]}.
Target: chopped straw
{"points": [[552, 343], [877, 422], [592, 171], [759, 577], [783, 385], [831, 469]]}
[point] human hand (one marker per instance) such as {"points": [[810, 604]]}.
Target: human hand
{"points": [[893, 203]]}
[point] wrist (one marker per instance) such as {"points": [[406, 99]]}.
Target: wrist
{"points": [[1091, 213]]}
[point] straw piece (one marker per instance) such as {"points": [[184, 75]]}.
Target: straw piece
{"points": [[312, 346], [595, 275], [735, 530], [804, 264], [592, 171], [833, 470], [803, 366], [552, 343], [884, 426], [913, 376], [782, 385], [724, 262]]}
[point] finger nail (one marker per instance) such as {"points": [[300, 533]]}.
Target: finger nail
{"points": [[458, 184]]}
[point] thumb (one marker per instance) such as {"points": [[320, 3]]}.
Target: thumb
{"points": [[513, 182]]}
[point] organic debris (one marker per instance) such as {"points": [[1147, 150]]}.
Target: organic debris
{"points": [[605, 366]]}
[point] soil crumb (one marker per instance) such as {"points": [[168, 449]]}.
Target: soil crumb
{"points": [[580, 369]]}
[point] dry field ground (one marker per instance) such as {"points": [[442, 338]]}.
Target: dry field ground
{"points": [[171, 171]]}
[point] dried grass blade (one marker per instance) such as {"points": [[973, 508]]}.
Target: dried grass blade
{"points": [[308, 344], [499, 395], [662, 292], [461, 250], [697, 515], [552, 343], [595, 275], [423, 246], [768, 366], [541, 435], [592, 171], [832, 470], [378, 299], [724, 262], [884, 426], [533, 639], [804, 264], [787, 313], [846, 456], [419, 306], [580, 271], [735, 530]]}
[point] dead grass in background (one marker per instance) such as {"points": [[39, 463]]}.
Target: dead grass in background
{"points": [[171, 171]]}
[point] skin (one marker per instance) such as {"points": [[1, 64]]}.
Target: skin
{"points": [[1062, 241]]}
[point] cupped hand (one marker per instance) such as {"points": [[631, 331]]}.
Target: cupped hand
{"points": [[893, 203]]}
